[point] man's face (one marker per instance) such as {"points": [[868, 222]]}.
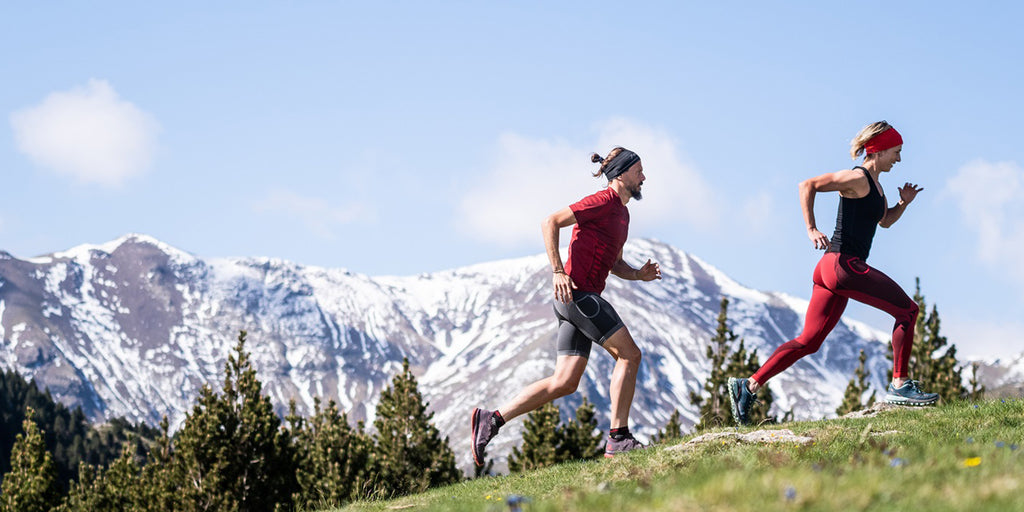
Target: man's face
{"points": [[634, 179]]}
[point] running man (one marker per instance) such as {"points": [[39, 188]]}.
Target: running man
{"points": [[843, 274], [601, 224]]}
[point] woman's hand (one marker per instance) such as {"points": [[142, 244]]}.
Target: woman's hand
{"points": [[820, 240], [908, 192], [564, 286]]}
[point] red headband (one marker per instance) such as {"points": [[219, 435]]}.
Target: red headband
{"points": [[883, 141]]}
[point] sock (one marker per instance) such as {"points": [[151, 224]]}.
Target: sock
{"points": [[497, 420], [619, 434]]}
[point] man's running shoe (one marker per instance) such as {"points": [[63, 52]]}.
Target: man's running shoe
{"points": [[909, 394], [741, 399], [614, 447], [484, 429]]}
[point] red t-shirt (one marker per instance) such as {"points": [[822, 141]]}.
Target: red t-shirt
{"points": [[602, 223]]}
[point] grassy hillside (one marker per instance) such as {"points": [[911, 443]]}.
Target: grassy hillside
{"points": [[960, 456]]}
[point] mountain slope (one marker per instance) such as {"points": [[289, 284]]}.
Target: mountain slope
{"points": [[959, 456]]}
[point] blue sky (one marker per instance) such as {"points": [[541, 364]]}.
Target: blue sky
{"points": [[408, 137]]}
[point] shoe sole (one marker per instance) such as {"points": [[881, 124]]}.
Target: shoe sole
{"points": [[733, 402], [473, 429], [611, 455], [907, 401]]}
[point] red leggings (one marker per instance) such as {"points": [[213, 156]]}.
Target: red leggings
{"points": [[838, 278]]}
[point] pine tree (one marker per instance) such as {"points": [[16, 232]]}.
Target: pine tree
{"points": [[947, 379], [67, 434], [672, 430], [742, 363], [542, 435], [334, 460], [31, 484], [581, 440], [856, 388], [977, 390], [112, 490], [231, 451], [714, 403], [162, 476], [411, 453]]}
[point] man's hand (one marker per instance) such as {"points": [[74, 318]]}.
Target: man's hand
{"points": [[649, 272], [564, 286]]}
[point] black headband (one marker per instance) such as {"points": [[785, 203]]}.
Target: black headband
{"points": [[620, 164]]}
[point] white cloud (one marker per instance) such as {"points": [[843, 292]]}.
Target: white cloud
{"points": [[314, 213], [533, 178], [988, 196], [88, 133], [757, 214], [983, 338]]}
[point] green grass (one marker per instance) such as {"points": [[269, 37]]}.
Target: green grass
{"points": [[960, 456]]}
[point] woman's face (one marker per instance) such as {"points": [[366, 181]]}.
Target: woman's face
{"points": [[888, 158]]}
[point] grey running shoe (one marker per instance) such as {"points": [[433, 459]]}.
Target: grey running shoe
{"points": [[909, 394], [484, 429], [741, 399], [626, 444]]}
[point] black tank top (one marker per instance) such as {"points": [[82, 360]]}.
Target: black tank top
{"points": [[857, 220]]}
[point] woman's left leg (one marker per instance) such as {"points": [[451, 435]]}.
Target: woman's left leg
{"points": [[863, 283]]}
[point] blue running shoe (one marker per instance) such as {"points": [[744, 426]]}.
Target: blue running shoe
{"points": [[741, 399], [909, 394]]}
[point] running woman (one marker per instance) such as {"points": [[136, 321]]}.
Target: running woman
{"points": [[601, 222], [843, 274]]}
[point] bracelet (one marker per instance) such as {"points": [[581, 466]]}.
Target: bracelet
{"points": [[560, 271]]}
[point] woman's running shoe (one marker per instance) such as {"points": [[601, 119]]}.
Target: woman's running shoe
{"points": [[741, 399], [909, 394]]}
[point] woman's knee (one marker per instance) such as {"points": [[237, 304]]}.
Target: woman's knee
{"points": [[804, 347], [913, 311], [907, 314]]}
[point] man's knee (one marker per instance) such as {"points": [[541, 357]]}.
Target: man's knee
{"points": [[622, 347], [564, 386], [631, 354]]}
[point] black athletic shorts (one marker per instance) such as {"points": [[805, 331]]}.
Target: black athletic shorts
{"points": [[587, 319]]}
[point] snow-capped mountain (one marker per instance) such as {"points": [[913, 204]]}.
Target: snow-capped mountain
{"points": [[135, 327], [1002, 377]]}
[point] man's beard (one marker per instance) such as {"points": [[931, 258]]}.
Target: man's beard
{"points": [[635, 193]]}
